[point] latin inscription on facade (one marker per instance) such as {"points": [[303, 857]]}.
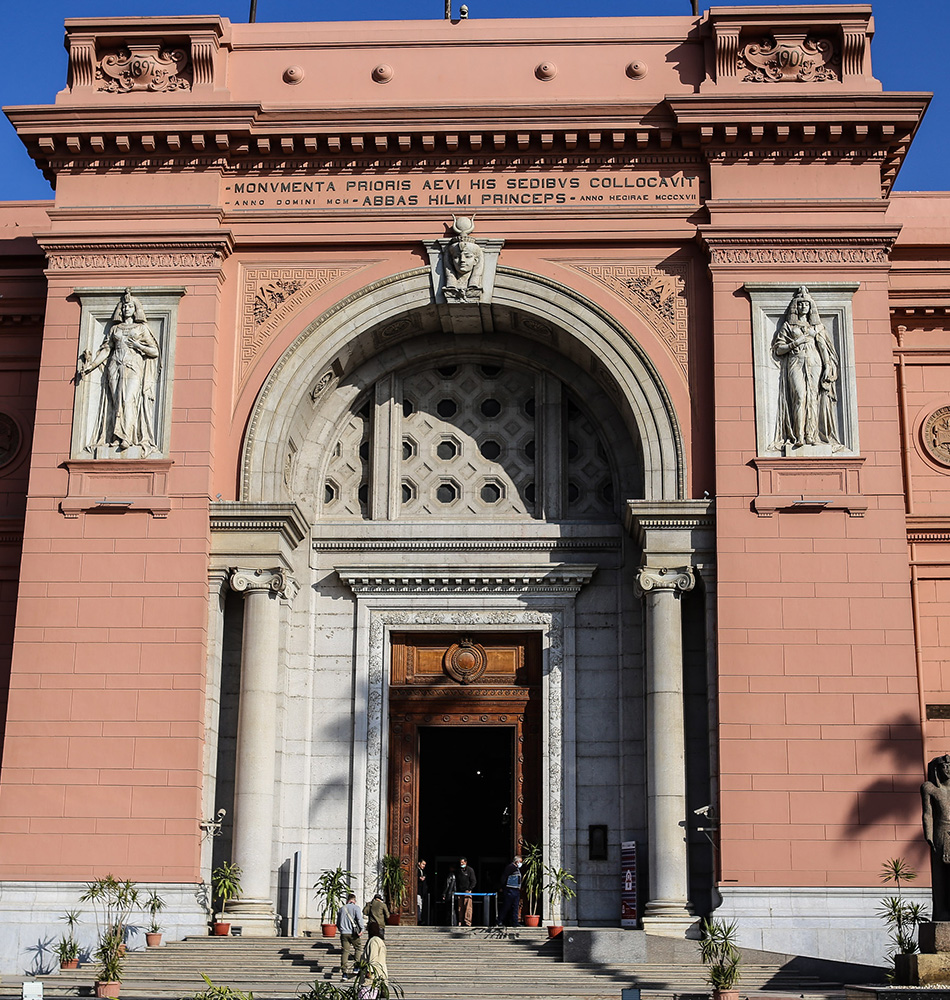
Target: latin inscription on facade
{"points": [[577, 189]]}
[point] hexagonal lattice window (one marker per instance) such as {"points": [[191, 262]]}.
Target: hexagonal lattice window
{"points": [[447, 491], [446, 408], [447, 371], [330, 491], [409, 449], [490, 450], [363, 493], [447, 449], [491, 491], [407, 408], [490, 371], [529, 450], [529, 407], [529, 493], [490, 408], [573, 492], [364, 451], [573, 450], [408, 491]]}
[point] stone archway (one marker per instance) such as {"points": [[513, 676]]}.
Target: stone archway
{"points": [[399, 308]]}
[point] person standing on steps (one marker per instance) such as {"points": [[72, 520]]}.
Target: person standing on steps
{"points": [[375, 981], [349, 923], [422, 893], [377, 910], [465, 882], [510, 895]]}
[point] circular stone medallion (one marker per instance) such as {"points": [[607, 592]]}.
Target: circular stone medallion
{"points": [[9, 438], [935, 433], [465, 661]]}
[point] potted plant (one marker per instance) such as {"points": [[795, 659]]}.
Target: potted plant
{"points": [[225, 885], [559, 886], [721, 957], [154, 904], [393, 882], [112, 902], [532, 882], [332, 887], [68, 948]]}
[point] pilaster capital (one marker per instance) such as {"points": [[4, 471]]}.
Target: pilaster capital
{"points": [[276, 581], [674, 579]]}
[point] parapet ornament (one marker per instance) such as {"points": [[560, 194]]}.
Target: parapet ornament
{"points": [[790, 58], [665, 578], [144, 66]]}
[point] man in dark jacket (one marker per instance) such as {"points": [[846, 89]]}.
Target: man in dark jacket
{"points": [[510, 894], [464, 884]]}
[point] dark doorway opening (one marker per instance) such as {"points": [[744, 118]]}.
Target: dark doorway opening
{"points": [[466, 806]]}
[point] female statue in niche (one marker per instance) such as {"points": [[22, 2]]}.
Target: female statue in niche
{"points": [[808, 372], [129, 357]]}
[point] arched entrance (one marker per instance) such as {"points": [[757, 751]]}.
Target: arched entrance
{"points": [[462, 485]]}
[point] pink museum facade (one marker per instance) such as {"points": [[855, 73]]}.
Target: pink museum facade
{"points": [[388, 407]]}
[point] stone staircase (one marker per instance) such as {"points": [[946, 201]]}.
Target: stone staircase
{"points": [[428, 963]]}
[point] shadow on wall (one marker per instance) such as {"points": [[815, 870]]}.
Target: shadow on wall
{"points": [[894, 796], [42, 961]]}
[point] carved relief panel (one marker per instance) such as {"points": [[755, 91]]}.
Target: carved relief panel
{"points": [[803, 342], [123, 375]]}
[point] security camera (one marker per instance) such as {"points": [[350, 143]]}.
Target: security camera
{"points": [[463, 11], [702, 811]]}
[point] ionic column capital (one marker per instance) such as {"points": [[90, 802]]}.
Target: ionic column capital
{"points": [[650, 578], [276, 581]]}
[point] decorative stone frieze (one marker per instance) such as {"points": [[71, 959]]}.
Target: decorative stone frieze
{"points": [[130, 255], [557, 579], [781, 251], [271, 295], [657, 293]]}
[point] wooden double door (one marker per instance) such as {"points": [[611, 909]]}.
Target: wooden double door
{"points": [[465, 755]]}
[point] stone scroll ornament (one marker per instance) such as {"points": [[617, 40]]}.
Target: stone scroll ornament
{"points": [[935, 796], [463, 262], [129, 364], [143, 67], [808, 376], [790, 60]]}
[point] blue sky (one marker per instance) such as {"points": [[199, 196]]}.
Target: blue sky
{"points": [[909, 53]]}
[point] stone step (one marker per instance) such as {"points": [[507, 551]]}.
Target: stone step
{"points": [[428, 963]]}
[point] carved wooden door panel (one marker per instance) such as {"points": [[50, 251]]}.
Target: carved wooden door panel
{"points": [[471, 680]]}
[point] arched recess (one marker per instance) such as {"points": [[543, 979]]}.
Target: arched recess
{"points": [[399, 308]]}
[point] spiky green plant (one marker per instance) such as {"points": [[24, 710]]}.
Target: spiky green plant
{"points": [[719, 953], [901, 917]]}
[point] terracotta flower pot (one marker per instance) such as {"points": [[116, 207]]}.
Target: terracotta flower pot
{"points": [[107, 987], [221, 930], [329, 930], [153, 939], [725, 995], [71, 964], [555, 930], [532, 920]]}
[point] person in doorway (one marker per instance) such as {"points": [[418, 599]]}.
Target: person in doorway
{"points": [[374, 980], [422, 893], [349, 923], [510, 895], [448, 895], [465, 882], [377, 911]]}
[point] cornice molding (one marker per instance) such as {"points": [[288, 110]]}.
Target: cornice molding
{"points": [[66, 253], [561, 579], [240, 516], [465, 545]]}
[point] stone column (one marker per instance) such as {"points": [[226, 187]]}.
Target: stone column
{"points": [[254, 912], [668, 910]]}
